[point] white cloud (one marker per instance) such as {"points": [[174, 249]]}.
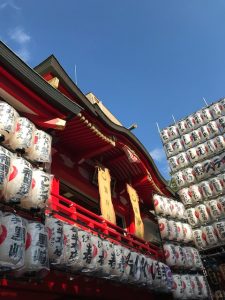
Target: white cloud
{"points": [[19, 35], [10, 3], [23, 53], [158, 154]]}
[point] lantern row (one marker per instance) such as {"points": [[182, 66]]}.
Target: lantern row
{"points": [[21, 183], [193, 156], [207, 169], [182, 257], [20, 134], [195, 121], [33, 248], [185, 259], [190, 287]]}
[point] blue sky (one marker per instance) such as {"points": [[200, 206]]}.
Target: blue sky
{"points": [[145, 59]]}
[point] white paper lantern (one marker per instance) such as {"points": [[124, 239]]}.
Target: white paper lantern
{"points": [[5, 160], [189, 261], [40, 190], [206, 190], [187, 232], [150, 270], [179, 179], [19, 182], [109, 258], [177, 146], [167, 209], [216, 110], [169, 278], [168, 147], [98, 255], [211, 147], [157, 274], [210, 234], [220, 230], [221, 201], [143, 270], [180, 210], [188, 176], [173, 163], [204, 287], [180, 235], [173, 208], [185, 196], [187, 140], [182, 127], [12, 241], [55, 239], [209, 167], [216, 186], [191, 217], [202, 213], [222, 104], [199, 171], [218, 163], [221, 177], [182, 160], [201, 151], [22, 139], [192, 155], [221, 124], [198, 119], [213, 129], [221, 166], [164, 228], [190, 123], [206, 132], [196, 286], [180, 256], [178, 289], [197, 137], [196, 195], [84, 252], [8, 118], [206, 115], [159, 204], [173, 132], [197, 258], [173, 231], [166, 277], [170, 254], [215, 209], [165, 135], [118, 263], [199, 239], [70, 245], [36, 255], [132, 266], [219, 142], [188, 291], [40, 150]]}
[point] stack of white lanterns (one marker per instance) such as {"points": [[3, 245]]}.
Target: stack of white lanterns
{"points": [[76, 250], [195, 150], [23, 181], [27, 248], [23, 246], [180, 255]]}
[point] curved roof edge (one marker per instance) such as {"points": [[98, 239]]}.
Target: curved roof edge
{"points": [[52, 65], [32, 77]]}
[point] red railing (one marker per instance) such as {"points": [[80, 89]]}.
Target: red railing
{"points": [[66, 210]]}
